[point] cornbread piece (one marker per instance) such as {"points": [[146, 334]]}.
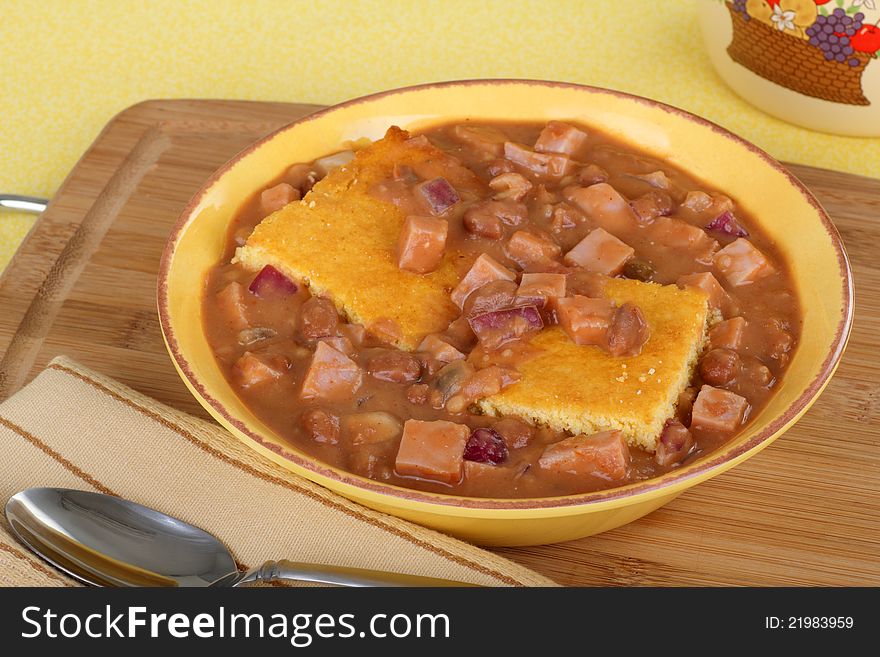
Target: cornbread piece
{"points": [[331, 376], [600, 252], [341, 241], [603, 454], [717, 409], [583, 389], [432, 450], [741, 263]]}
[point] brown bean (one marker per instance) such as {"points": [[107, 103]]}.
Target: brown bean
{"points": [[393, 365], [628, 331], [321, 426], [318, 318], [719, 367]]}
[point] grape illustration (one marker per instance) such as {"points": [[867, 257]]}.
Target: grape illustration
{"points": [[740, 6], [832, 33]]}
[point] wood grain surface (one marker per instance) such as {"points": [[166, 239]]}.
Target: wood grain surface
{"points": [[805, 511]]}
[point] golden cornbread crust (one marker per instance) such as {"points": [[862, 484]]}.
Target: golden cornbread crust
{"points": [[341, 241], [585, 390]]}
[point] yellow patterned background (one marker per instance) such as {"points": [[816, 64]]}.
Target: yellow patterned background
{"points": [[66, 67]]}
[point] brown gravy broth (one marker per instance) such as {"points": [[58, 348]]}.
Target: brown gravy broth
{"points": [[769, 306]]}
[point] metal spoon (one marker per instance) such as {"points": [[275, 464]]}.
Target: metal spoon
{"points": [[107, 541], [30, 204]]}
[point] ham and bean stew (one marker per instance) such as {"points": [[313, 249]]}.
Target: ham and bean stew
{"points": [[556, 211]]}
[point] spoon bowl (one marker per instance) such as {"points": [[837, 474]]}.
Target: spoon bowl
{"points": [[108, 541]]}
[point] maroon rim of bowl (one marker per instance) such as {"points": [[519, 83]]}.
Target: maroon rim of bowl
{"points": [[707, 464]]}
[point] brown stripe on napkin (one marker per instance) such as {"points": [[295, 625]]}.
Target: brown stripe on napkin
{"points": [[74, 428]]}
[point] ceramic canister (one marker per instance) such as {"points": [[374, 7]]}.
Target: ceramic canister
{"points": [[815, 63]]}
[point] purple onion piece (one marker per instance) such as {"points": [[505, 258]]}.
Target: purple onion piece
{"points": [[270, 280], [726, 223], [496, 327], [486, 446], [439, 194]]}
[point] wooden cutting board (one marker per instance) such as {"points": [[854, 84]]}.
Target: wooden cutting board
{"points": [[805, 511]]}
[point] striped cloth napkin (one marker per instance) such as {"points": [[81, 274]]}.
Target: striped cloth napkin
{"points": [[76, 429]]}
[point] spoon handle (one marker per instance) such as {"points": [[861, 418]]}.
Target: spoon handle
{"points": [[273, 571]]}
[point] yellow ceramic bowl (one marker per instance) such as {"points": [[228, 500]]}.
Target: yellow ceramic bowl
{"points": [[787, 212]]}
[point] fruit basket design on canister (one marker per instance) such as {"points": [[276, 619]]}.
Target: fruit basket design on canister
{"points": [[818, 48]]}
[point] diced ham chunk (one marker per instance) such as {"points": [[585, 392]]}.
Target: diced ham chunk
{"points": [[250, 369], [488, 218], [680, 235], [727, 334], [331, 375], [277, 197], [513, 186], [530, 249], [603, 455], [339, 343], [421, 244], [439, 349], [484, 270], [651, 205], [537, 288], [604, 205], [718, 297], [231, 304], [483, 139], [741, 263], [585, 320], [559, 137], [600, 252], [432, 450], [716, 409], [550, 165]]}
